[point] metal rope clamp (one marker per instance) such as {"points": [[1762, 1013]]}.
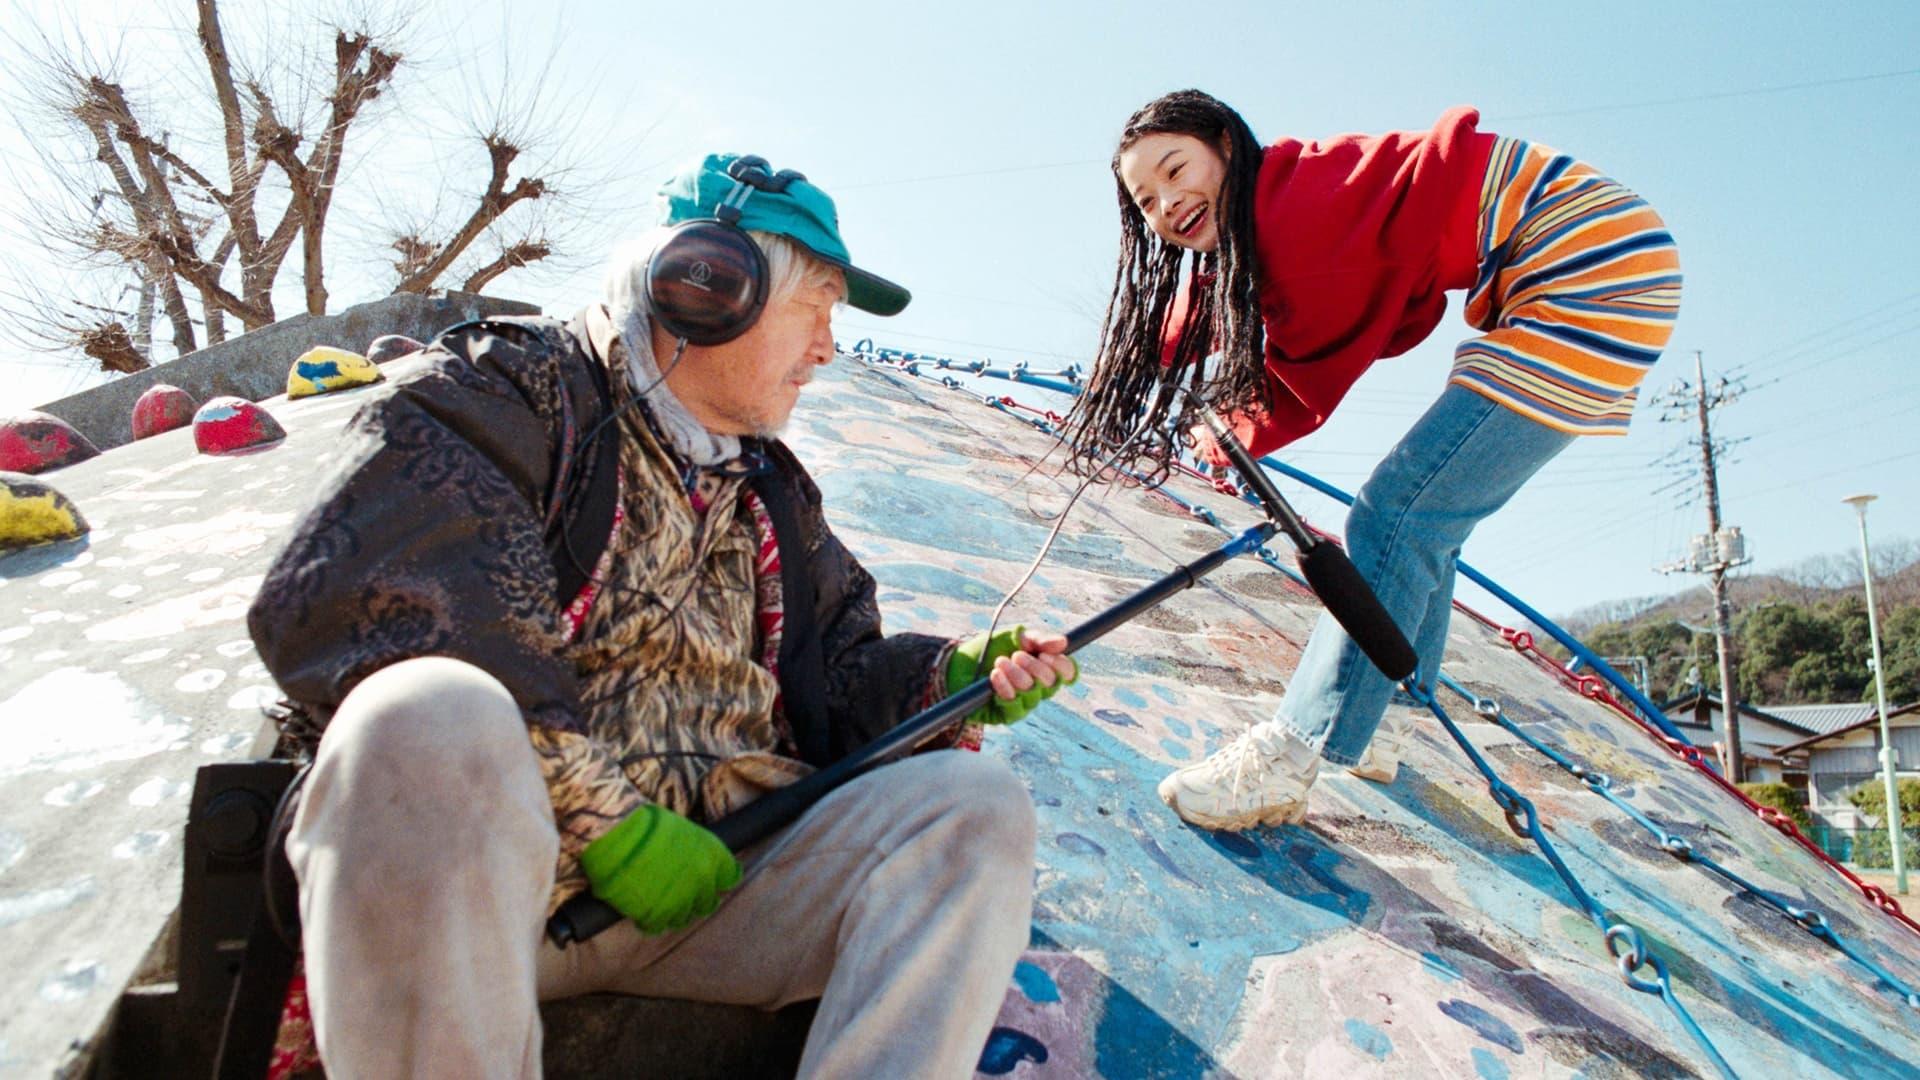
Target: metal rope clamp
{"points": [[1511, 804], [1814, 922], [1634, 958]]}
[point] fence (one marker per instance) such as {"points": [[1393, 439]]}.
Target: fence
{"points": [[1864, 846]]}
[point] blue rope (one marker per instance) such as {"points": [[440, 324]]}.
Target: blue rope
{"points": [[1813, 922], [1623, 941], [1031, 380], [1573, 645]]}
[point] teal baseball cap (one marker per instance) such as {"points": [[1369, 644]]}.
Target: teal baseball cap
{"points": [[784, 203]]}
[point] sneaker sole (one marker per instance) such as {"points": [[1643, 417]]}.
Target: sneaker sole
{"points": [[1375, 773], [1292, 814]]}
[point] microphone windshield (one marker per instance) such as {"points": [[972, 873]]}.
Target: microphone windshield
{"points": [[1334, 580]]}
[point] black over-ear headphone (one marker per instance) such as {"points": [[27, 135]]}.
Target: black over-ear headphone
{"points": [[707, 281]]}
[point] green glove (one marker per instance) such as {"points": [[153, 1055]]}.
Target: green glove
{"points": [[968, 662], [659, 869]]}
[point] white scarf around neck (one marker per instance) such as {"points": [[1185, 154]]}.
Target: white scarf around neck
{"points": [[688, 436]]}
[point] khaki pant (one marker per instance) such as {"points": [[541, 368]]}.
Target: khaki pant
{"points": [[425, 850]]}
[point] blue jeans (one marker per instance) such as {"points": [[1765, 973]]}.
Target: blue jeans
{"points": [[1459, 463]]}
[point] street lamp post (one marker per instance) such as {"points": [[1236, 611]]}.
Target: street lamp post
{"points": [[1859, 504]]}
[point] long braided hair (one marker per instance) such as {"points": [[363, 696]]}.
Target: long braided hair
{"points": [[1130, 389]]}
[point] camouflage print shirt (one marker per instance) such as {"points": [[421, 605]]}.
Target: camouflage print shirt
{"points": [[434, 535]]}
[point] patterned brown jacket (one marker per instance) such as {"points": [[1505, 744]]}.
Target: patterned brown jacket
{"points": [[451, 524]]}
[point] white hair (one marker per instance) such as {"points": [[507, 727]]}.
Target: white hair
{"points": [[790, 267]]}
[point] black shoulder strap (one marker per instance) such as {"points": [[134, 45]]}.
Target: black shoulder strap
{"points": [[578, 536], [803, 668], [583, 530], [505, 322]]}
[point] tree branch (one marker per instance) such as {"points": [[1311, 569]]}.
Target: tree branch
{"points": [[160, 274], [496, 201], [520, 254], [215, 318], [188, 265], [104, 102], [110, 344], [312, 180], [240, 172]]}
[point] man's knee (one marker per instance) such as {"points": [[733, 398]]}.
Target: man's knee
{"points": [[426, 760], [433, 712], [988, 805]]}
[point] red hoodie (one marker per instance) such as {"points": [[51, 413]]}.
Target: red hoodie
{"points": [[1359, 238]]}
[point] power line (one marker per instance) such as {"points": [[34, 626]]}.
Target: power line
{"points": [[1840, 355], [1500, 118], [1855, 406], [1780, 354], [1834, 472], [967, 175], [999, 301], [1579, 537], [1715, 96]]}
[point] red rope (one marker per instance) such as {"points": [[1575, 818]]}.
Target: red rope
{"points": [[1592, 687]]}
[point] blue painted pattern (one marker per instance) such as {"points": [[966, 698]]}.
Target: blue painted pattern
{"points": [[1403, 926]]}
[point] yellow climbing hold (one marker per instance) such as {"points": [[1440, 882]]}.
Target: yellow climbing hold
{"points": [[32, 513], [324, 368]]}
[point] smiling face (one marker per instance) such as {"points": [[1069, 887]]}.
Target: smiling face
{"points": [[1175, 181], [748, 386]]}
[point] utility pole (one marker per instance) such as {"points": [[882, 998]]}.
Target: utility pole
{"points": [[1720, 550], [1889, 758], [1722, 611]]}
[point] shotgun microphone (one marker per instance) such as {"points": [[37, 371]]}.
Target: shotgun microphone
{"points": [[1329, 573]]}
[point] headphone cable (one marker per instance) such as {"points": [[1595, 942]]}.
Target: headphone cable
{"points": [[574, 479], [1060, 522]]}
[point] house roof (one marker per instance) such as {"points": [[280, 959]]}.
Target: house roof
{"points": [[1773, 715], [1871, 718], [1824, 719]]}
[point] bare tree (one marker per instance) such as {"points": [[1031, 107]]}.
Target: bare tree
{"points": [[197, 190], [423, 261], [521, 131]]}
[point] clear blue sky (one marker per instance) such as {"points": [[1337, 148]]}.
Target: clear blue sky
{"points": [[966, 144]]}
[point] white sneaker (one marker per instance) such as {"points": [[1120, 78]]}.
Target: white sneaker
{"points": [[1381, 762], [1260, 778]]}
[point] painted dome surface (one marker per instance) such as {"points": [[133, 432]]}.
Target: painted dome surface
{"points": [[1404, 930]]}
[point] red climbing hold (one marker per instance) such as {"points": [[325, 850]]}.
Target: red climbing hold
{"points": [[226, 424], [33, 442], [162, 408]]}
